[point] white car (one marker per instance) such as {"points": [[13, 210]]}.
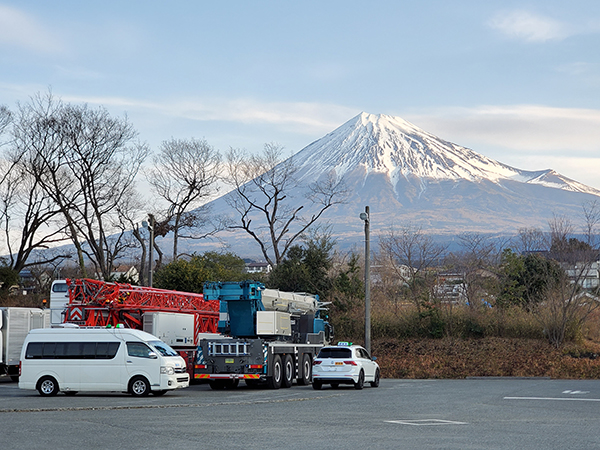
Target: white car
{"points": [[344, 364]]}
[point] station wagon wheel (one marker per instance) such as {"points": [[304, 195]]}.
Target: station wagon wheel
{"points": [[139, 387], [47, 386], [375, 382], [361, 381], [317, 385]]}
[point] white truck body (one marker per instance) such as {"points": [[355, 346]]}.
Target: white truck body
{"points": [[175, 329], [15, 323], [99, 359]]}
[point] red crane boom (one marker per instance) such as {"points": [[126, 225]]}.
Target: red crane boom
{"points": [[102, 303]]}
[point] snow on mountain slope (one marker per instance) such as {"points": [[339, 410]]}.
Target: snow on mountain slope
{"points": [[399, 149]]}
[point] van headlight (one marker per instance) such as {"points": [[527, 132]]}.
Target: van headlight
{"points": [[167, 370]]}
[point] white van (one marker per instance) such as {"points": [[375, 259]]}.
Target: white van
{"points": [[72, 359]]}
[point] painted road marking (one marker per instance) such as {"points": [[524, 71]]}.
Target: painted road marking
{"points": [[570, 399], [423, 422], [575, 392]]}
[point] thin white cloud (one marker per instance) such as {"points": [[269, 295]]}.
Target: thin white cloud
{"points": [[18, 29], [303, 117], [532, 128], [530, 27]]}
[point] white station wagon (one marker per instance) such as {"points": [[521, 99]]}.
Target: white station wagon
{"points": [[344, 364]]}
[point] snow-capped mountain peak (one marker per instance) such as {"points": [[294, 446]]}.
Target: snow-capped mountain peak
{"points": [[396, 147]]}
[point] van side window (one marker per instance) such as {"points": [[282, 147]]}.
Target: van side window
{"points": [[71, 350], [138, 349], [107, 350], [34, 350]]}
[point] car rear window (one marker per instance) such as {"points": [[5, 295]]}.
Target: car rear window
{"points": [[336, 353]]}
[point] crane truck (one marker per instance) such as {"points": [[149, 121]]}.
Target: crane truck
{"points": [[269, 337]]}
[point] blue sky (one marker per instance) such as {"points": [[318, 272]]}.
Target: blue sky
{"points": [[518, 81]]}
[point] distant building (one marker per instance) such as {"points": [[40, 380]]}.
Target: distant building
{"points": [[129, 273], [258, 267]]}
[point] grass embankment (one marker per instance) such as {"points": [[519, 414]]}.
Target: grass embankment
{"points": [[485, 357]]}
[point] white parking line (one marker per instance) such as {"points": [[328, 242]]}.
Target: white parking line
{"points": [[423, 422], [570, 399]]}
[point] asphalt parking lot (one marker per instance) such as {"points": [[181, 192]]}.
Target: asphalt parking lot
{"points": [[400, 414]]}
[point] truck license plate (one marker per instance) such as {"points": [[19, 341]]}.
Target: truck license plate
{"points": [[229, 360]]}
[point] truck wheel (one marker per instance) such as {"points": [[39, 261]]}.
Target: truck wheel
{"points": [[47, 386], [232, 384], [276, 378], [252, 383], [305, 371], [139, 387], [288, 372], [217, 385]]}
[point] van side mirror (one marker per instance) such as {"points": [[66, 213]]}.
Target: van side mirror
{"points": [[152, 355]]}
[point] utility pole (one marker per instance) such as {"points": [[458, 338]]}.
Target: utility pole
{"points": [[365, 217], [150, 227]]}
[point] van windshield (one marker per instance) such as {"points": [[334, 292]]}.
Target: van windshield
{"points": [[163, 348]]}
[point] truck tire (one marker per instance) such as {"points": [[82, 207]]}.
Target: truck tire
{"points": [[276, 378], [47, 386], [288, 372], [217, 385], [305, 370], [139, 387]]}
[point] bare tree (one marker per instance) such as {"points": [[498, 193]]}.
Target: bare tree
{"points": [[185, 174], [410, 254], [30, 221], [530, 240], [28, 218], [86, 162], [264, 190], [575, 294], [476, 263]]}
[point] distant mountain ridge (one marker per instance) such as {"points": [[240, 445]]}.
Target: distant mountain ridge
{"points": [[409, 176]]}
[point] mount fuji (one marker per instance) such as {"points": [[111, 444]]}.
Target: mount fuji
{"points": [[407, 175]]}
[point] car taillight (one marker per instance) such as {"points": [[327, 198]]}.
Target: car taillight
{"points": [[316, 362], [350, 363]]}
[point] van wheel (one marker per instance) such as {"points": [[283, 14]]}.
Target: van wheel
{"points": [[139, 387], [47, 386]]}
